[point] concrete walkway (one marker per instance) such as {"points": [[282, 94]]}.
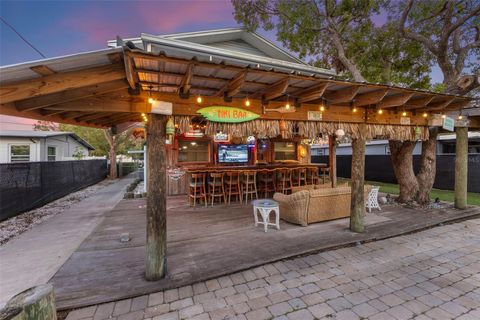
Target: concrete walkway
{"points": [[35, 256], [430, 275]]}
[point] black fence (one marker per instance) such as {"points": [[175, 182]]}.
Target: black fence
{"points": [[379, 168], [24, 186]]}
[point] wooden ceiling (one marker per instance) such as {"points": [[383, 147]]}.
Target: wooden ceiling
{"points": [[107, 95]]}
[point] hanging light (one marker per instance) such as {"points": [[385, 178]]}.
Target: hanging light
{"points": [[339, 133], [425, 114], [460, 117], [247, 102], [143, 114], [380, 111], [287, 106], [322, 108], [354, 109], [151, 100], [404, 114], [199, 99], [444, 116]]}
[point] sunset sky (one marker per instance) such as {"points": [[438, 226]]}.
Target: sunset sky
{"points": [[66, 27]]}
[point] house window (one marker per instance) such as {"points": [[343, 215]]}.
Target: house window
{"points": [[193, 151], [51, 153], [20, 153]]}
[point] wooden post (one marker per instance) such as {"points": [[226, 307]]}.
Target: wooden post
{"points": [[156, 198], [461, 167], [357, 208], [37, 303], [332, 160]]}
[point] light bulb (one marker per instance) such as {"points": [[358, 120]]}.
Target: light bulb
{"points": [[150, 100], [380, 111], [143, 114], [404, 114], [460, 117], [287, 106], [354, 110], [444, 116], [425, 114], [199, 99], [247, 102], [322, 108]]}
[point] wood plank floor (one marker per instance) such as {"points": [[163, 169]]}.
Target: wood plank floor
{"points": [[209, 242]]}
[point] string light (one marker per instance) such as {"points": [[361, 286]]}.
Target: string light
{"points": [[425, 114], [460, 117], [150, 100], [444, 116], [247, 102], [199, 99], [287, 106], [380, 111], [322, 108], [404, 114], [354, 109], [143, 114]]}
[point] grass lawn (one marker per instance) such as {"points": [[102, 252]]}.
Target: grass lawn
{"points": [[444, 195]]}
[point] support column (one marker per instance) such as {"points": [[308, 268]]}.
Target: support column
{"points": [[357, 208], [461, 167], [156, 198], [332, 160]]}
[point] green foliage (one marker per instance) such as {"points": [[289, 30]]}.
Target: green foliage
{"points": [[96, 137], [42, 125], [78, 154], [306, 27]]}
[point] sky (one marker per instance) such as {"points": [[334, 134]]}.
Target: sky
{"points": [[58, 28]]}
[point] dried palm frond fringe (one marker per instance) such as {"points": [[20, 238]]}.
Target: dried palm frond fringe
{"points": [[309, 129]]}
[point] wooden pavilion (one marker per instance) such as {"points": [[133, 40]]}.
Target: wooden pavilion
{"points": [[185, 73]]}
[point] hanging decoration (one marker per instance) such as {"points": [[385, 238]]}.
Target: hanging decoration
{"points": [[170, 130], [175, 174], [227, 114]]}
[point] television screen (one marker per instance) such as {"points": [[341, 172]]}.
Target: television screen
{"points": [[233, 153]]}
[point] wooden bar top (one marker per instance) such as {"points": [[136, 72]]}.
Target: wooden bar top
{"points": [[209, 168]]}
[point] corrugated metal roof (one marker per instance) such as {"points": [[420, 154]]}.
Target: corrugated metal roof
{"points": [[44, 134], [22, 71]]}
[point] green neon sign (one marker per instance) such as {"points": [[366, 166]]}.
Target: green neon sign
{"points": [[227, 114]]}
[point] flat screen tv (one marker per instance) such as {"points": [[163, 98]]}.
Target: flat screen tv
{"points": [[233, 153]]}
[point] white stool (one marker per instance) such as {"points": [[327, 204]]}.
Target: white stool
{"points": [[265, 207]]}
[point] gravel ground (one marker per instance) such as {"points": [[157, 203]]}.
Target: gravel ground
{"points": [[15, 226]]}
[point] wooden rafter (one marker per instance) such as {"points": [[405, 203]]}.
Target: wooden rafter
{"points": [[132, 77], [69, 95], [342, 95], [372, 97], [397, 100], [187, 79], [234, 86], [439, 105], [59, 82], [277, 89], [312, 93], [45, 112], [419, 103], [91, 116], [42, 70]]}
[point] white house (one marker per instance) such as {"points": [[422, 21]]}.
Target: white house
{"points": [[29, 146]]}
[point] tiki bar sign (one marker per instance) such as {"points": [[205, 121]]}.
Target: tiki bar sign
{"points": [[227, 114]]}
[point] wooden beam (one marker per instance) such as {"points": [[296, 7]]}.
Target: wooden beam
{"points": [[44, 112], [187, 79], [419, 103], [233, 86], [71, 114], [42, 70], [438, 105], [132, 77], [91, 116], [372, 97], [311, 93], [156, 199], [277, 89], [342, 95], [397, 100], [57, 82], [457, 105], [70, 95]]}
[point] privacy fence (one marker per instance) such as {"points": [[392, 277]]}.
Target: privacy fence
{"points": [[24, 186], [379, 168]]}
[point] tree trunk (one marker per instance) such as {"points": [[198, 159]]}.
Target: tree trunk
{"points": [[402, 161], [112, 156], [332, 160], [37, 303], [461, 168], [357, 208], [428, 167], [156, 199]]}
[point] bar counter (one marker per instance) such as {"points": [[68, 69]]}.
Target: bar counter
{"points": [[256, 167]]}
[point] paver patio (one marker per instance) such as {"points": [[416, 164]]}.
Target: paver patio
{"points": [[433, 274], [204, 243]]}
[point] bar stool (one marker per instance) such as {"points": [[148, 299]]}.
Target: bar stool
{"points": [[249, 184], [284, 182], [196, 189], [325, 171], [312, 175], [216, 188], [232, 181], [266, 182], [299, 177]]}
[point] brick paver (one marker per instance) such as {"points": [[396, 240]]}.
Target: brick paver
{"points": [[434, 274]]}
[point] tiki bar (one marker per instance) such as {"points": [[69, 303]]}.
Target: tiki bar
{"points": [[231, 118]]}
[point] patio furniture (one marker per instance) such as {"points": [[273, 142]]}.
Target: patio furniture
{"points": [[249, 184], [284, 182], [325, 173], [264, 207], [312, 176], [266, 182], [232, 181], [216, 189], [196, 189], [315, 205], [372, 200], [299, 177]]}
